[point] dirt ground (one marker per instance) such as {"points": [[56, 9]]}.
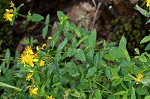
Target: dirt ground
{"points": [[111, 19]]}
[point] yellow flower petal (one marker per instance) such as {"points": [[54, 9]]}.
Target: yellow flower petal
{"points": [[8, 16], [37, 48], [33, 91], [50, 38], [29, 76], [50, 97], [147, 3], [28, 57], [35, 60], [138, 78], [11, 4], [44, 45], [42, 63]]}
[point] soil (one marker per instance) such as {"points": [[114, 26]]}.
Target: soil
{"points": [[111, 19]]}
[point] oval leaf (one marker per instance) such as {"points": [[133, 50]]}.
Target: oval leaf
{"points": [[91, 71], [36, 17], [80, 55], [145, 39]]}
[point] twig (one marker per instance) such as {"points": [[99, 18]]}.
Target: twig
{"points": [[94, 2], [95, 15]]}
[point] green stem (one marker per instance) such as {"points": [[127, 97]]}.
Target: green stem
{"points": [[103, 87], [38, 21], [145, 70]]}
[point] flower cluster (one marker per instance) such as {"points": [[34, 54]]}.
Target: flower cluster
{"points": [[8, 15], [138, 78], [28, 58]]}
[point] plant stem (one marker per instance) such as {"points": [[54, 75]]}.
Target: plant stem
{"points": [[103, 87], [38, 21]]}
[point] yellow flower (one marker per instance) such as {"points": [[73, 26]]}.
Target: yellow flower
{"points": [[50, 97], [44, 45], [28, 57], [28, 50], [50, 38], [11, 4], [37, 48], [33, 91], [42, 63], [31, 71], [8, 15], [147, 3], [138, 78], [29, 76], [9, 11]]}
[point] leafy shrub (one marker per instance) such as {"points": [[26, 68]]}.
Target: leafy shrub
{"points": [[77, 66]]}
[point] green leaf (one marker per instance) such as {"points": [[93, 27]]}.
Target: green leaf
{"points": [[145, 39], [128, 78], [146, 81], [147, 97], [148, 22], [62, 45], [72, 69], [126, 64], [108, 72], [140, 91], [36, 17], [81, 40], [137, 51], [142, 58], [122, 46], [75, 94], [71, 52], [133, 96], [74, 42], [9, 86], [122, 43], [114, 73], [89, 56], [77, 32], [45, 29], [22, 95], [116, 53], [56, 37], [58, 56], [142, 11], [80, 55], [18, 8], [111, 97], [44, 32], [98, 94], [37, 78], [68, 35], [116, 82], [126, 54], [61, 15], [50, 69], [147, 47], [92, 39], [125, 95], [7, 54], [91, 71], [7, 59], [96, 59], [119, 93]]}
